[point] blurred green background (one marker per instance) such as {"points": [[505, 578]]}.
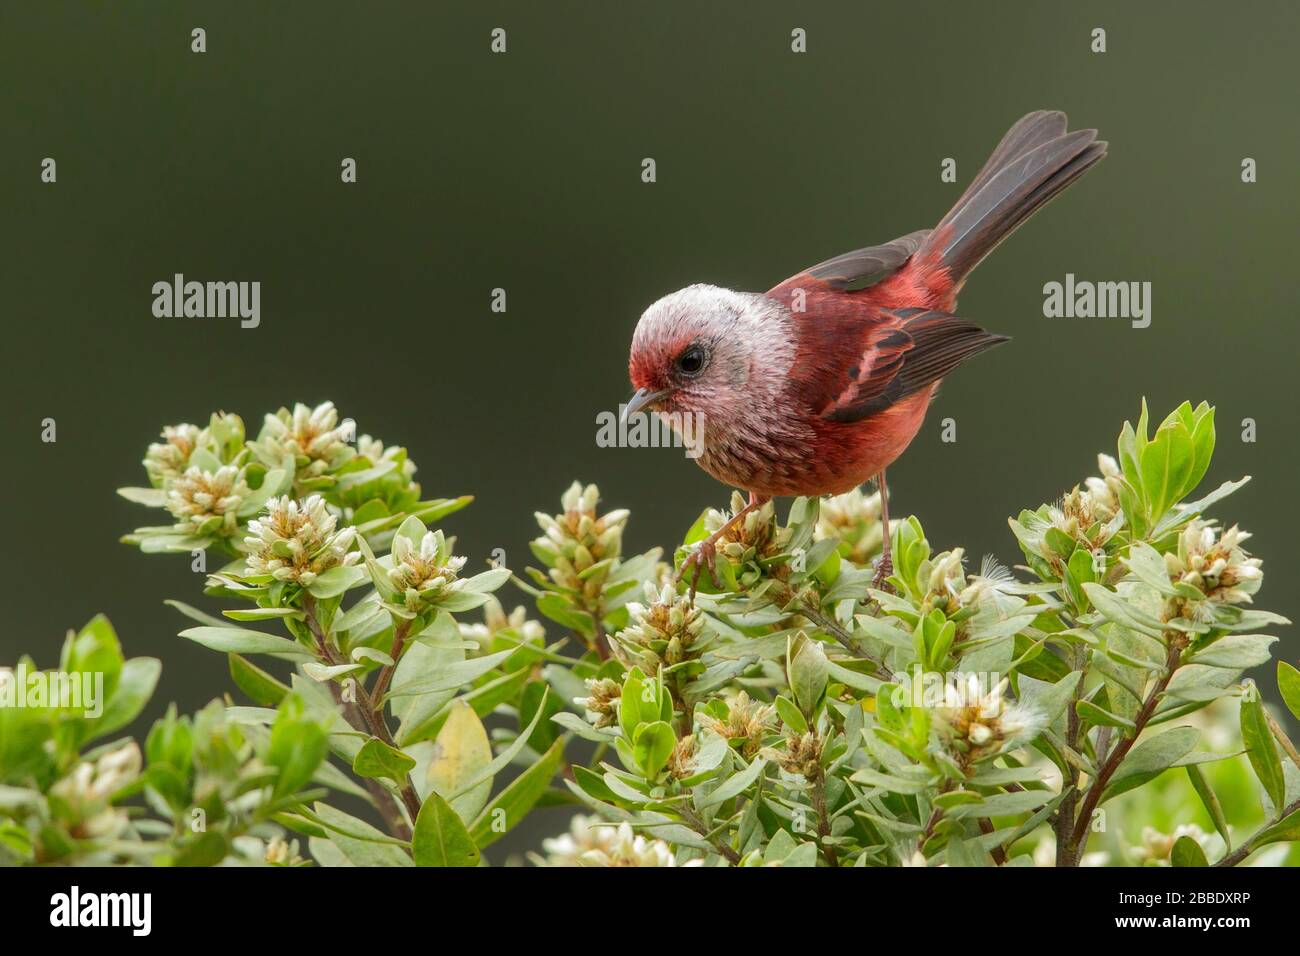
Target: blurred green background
{"points": [[522, 171]]}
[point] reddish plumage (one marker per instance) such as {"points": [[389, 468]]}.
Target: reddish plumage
{"points": [[818, 385]]}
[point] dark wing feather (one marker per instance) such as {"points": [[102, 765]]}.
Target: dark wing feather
{"points": [[917, 349], [863, 267]]}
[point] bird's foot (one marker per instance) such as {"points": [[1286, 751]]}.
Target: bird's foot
{"points": [[884, 568], [704, 555]]}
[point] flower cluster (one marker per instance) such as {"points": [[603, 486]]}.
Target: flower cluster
{"points": [[755, 537], [740, 721], [1104, 492], [590, 842], [425, 573], [298, 542], [282, 852], [601, 703], [682, 761], [312, 437], [1214, 564], [207, 502], [1091, 515], [976, 724], [1157, 846], [580, 545], [88, 789], [666, 631], [801, 755], [169, 458], [852, 519], [375, 451]]}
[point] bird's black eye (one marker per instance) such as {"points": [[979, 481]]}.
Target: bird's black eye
{"points": [[691, 362]]}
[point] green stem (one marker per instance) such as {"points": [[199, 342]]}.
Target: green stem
{"points": [[696, 824], [1063, 823], [823, 821], [400, 634], [372, 720], [1247, 848], [1107, 770], [832, 628]]}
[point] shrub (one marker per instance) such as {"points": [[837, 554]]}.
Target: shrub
{"points": [[789, 714]]}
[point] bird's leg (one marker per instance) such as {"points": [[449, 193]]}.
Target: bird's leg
{"points": [[706, 552], [885, 567]]}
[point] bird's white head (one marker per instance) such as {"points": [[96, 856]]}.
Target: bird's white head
{"points": [[709, 352]]}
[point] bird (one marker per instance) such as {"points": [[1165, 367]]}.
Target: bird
{"points": [[819, 384]]}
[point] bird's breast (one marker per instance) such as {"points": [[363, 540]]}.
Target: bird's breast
{"points": [[783, 455]]}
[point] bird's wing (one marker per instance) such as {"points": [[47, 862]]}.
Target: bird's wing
{"points": [[909, 350], [860, 268]]}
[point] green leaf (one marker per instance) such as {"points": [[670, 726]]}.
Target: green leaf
{"points": [[1167, 464], [1152, 756], [1115, 608], [1053, 699], [378, 575], [362, 843], [449, 676], [237, 640], [1262, 752], [1236, 651], [437, 648], [514, 802], [335, 581], [1187, 852], [194, 614], [790, 715], [1148, 566], [558, 608], [263, 614], [529, 702], [298, 745], [1288, 682], [440, 838], [576, 725], [135, 685], [632, 702], [734, 785], [1098, 717], [1286, 830], [809, 673], [95, 649], [1210, 801], [1203, 438], [326, 672], [487, 581], [652, 746], [149, 497], [892, 783], [378, 759]]}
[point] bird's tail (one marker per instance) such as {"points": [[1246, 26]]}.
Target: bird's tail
{"points": [[1035, 161]]}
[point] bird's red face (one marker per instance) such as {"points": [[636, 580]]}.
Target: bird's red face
{"points": [[699, 351], [662, 372]]}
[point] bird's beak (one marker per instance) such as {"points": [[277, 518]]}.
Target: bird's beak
{"points": [[641, 399]]}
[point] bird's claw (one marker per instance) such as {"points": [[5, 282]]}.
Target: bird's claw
{"points": [[704, 555], [884, 568]]}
